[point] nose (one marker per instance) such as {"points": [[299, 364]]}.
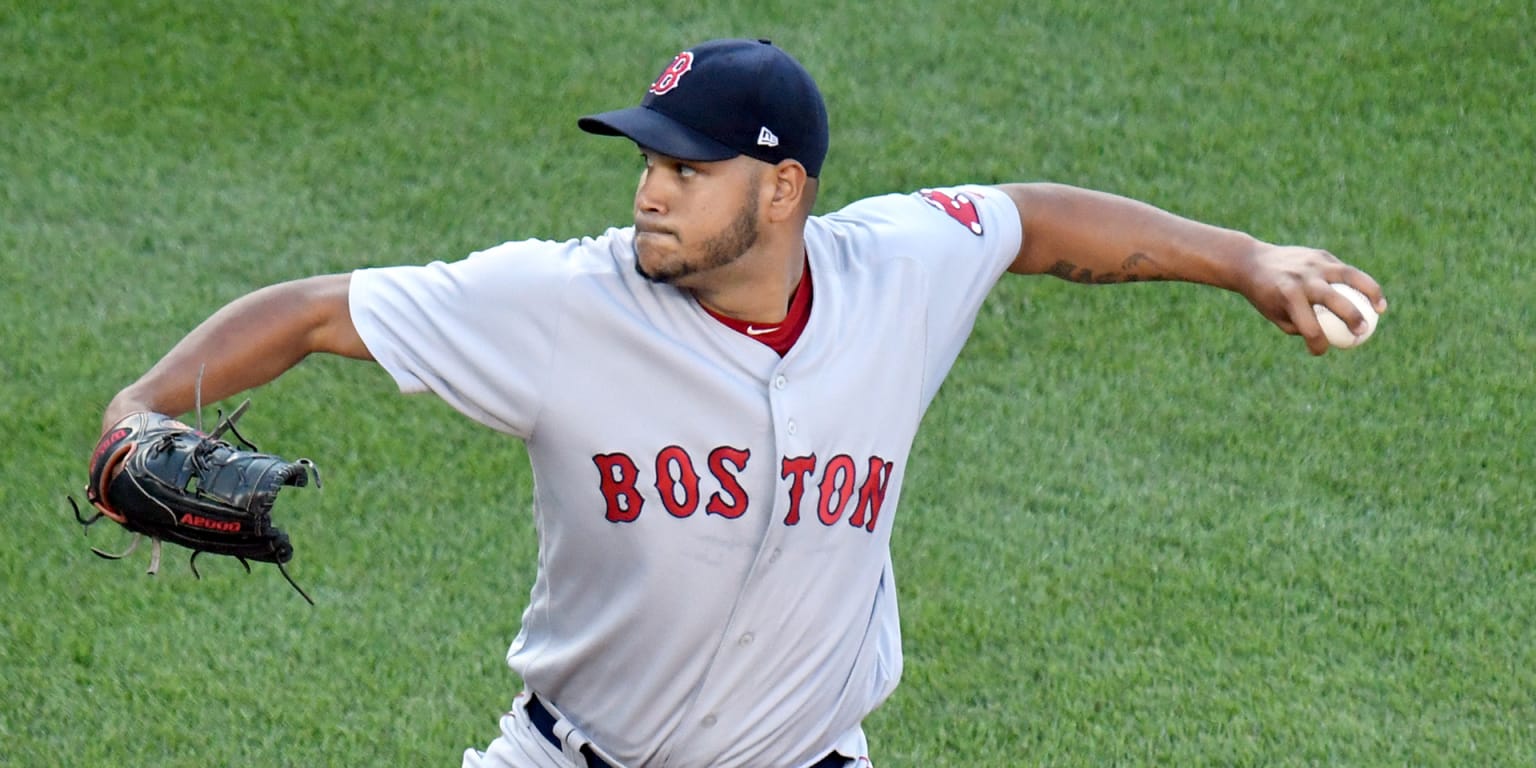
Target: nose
{"points": [[650, 194]]}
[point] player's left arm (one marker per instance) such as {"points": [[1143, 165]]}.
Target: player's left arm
{"points": [[1094, 237]]}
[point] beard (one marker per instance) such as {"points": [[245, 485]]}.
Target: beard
{"points": [[719, 250]]}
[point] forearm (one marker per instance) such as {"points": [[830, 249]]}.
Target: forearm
{"points": [[247, 343], [1093, 237]]}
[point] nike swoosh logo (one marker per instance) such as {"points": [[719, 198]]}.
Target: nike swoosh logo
{"points": [[751, 331]]}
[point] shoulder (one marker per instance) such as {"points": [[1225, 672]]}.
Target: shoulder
{"points": [[603, 253], [513, 266], [925, 220], [504, 285]]}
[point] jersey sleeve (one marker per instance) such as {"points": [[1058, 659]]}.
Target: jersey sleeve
{"points": [[962, 239], [479, 332]]}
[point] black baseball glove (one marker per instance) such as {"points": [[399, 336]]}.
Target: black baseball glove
{"points": [[163, 479]]}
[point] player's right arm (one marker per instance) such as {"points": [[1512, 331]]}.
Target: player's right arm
{"points": [[249, 342], [1087, 236]]}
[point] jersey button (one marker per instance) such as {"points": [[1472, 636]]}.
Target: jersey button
{"points": [[790, 427], [745, 640], [708, 721], [779, 382], [773, 557]]}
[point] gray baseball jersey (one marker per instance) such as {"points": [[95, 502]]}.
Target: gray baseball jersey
{"points": [[714, 584]]}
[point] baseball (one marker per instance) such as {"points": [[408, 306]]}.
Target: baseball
{"points": [[1337, 332]]}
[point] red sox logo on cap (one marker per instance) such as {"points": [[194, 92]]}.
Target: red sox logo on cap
{"points": [[673, 74]]}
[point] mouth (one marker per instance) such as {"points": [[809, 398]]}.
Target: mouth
{"points": [[651, 244], [652, 228]]}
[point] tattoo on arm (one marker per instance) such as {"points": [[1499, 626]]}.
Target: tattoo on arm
{"points": [[1137, 267]]}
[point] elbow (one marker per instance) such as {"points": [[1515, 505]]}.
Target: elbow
{"points": [[325, 301]]}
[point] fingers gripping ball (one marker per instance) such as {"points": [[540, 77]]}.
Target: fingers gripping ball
{"points": [[163, 479], [1339, 335]]}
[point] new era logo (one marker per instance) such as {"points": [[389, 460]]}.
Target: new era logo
{"points": [[765, 138]]}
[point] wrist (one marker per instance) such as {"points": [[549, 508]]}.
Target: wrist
{"points": [[121, 407], [1241, 265]]}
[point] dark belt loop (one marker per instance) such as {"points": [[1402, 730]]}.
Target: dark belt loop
{"points": [[544, 722]]}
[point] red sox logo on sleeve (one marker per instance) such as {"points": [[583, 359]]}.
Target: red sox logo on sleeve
{"points": [[838, 490], [959, 207]]}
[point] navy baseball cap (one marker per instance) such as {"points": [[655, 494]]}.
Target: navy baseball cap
{"points": [[725, 98]]}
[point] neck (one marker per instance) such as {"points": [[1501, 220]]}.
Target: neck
{"points": [[757, 287]]}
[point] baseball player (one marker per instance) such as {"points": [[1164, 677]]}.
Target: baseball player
{"points": [[719, 403]]}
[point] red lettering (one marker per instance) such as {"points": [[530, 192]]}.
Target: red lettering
{"points": [[872, 493], [108, 440], [618, 474], [198, 521], [677, 484], [666, 485], [729, 485], [838, 480], [798, 468]]}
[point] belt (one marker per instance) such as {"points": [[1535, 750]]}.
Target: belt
{"points": [[544, 722]]}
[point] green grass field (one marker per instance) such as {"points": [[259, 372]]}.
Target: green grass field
{"points": [[1141, 528]]}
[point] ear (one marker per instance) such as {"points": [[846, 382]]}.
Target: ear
{"points": [[785, 191]]}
